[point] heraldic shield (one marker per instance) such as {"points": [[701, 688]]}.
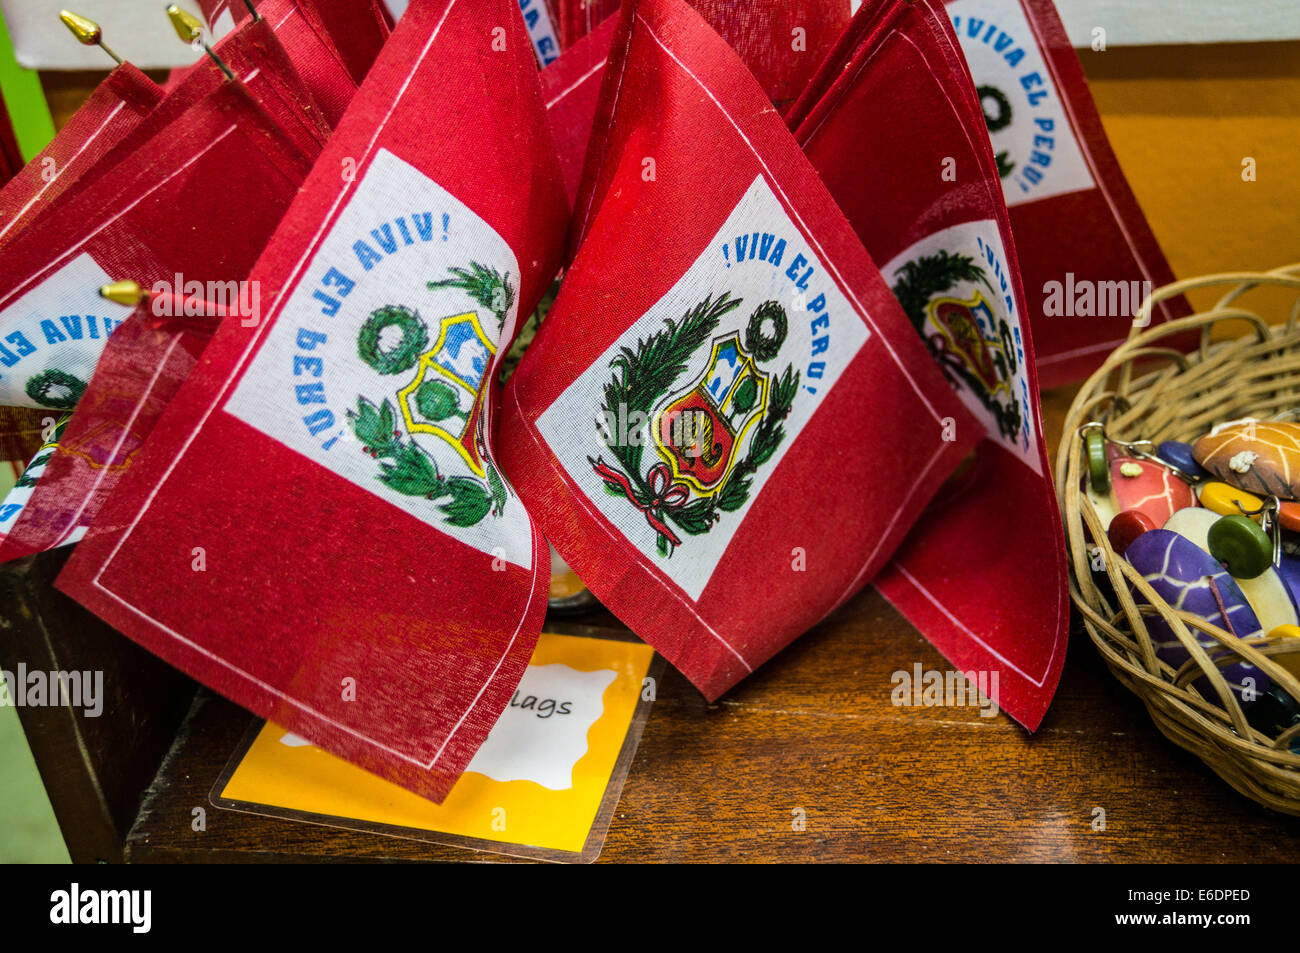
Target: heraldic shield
{"points": [[443, 399], [971, 332], [698, 432]]}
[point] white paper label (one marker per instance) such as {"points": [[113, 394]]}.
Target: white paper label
{"points": [[542, 734]]}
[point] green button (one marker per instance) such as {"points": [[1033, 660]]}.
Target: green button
{"points": [[1098, 466], [1238, 543]]}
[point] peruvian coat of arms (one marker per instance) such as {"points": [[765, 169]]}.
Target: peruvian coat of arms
{"points": [[435, 410], [709, 434], [975, 349]]}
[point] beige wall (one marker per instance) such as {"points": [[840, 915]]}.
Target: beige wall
{"points": [[1181, 119]]}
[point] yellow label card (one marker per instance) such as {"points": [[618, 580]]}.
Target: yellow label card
{"points": [[538, 781]]}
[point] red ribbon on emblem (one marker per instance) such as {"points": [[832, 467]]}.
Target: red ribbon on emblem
{"points": [[664, 494]]}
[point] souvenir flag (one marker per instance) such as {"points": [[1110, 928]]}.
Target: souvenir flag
{"points": [[571, 86], [781, 41], [159, 229], [766, 36], [117, 106], [330, 42], [1087, 255], [356, 29], [256, 56], [542, 30], [317, 527], [577, 18], [268, 77], [53, 324], [898, 137], [725, 424], [258, 60]]}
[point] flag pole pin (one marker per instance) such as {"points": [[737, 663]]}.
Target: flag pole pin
{"points": [[87, 32], [127, 293], [168, 304], [189, 29], [252, 9]]}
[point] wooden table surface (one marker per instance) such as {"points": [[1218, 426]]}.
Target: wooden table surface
{"points": [[813, 729]]}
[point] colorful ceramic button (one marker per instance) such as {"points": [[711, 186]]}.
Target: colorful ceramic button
{"points": [[1239, 543], [1223, 499], [1186, 576], [1290, 661], [1179, 454], [1269, 594], [1148, 487], [1126, 527], [1262, 456], [1094, 447], [1288, 515]]}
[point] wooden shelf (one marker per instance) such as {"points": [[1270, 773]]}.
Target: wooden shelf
{"points": [[815, 729]]}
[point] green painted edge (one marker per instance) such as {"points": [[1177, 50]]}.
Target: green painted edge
{"points": [[25, 100]]}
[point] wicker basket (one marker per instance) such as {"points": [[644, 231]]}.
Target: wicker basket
{"points": [[1148, 390]]}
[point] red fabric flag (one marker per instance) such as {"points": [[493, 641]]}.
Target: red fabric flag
{"points": [[899, 139], [571, 86], [1088, 256], [175, 228], [725, 424], [368, 579], [117, 106], [782, 42], [308, 42], [356, 29], [577, 18], [268, 76]]}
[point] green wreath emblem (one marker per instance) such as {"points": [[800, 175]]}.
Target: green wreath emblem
{"points": [[403, 356], [409, 469], [1002, 118], [44, 389], [762, 346]]}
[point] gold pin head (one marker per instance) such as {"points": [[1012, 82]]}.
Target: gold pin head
{"points": [[186, 25], [189, 29], [128, 293], [86, 31]]}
